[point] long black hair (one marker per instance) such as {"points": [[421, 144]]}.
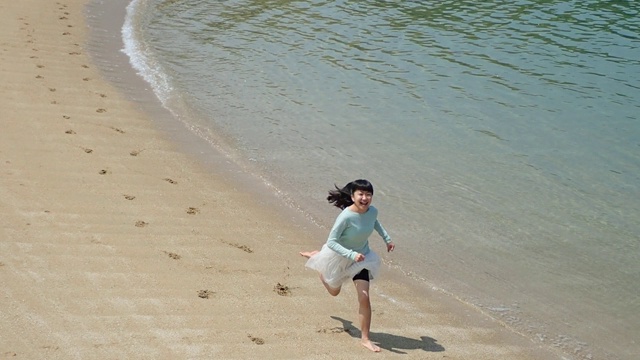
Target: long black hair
{"points": [[341, 197]]}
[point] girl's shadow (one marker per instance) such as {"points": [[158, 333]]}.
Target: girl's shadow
{"points": [[393, 343]]}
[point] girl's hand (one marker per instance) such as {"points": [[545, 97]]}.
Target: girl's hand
{"points": [[359, 257], [390, 246]]}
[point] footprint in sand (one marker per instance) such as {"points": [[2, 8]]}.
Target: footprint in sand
{"points": [[205, 294], [141, 223], [103, 172], [172, 255], [66, 33], [282, 290], [86, 79], [244, 248], [88, 151], [103, 95], [63, 18], [129, 197], [192, 211], [256, 340], [39, 77], [135, 152], [70, 132], [118, 130], [66, 117], [101, 110], [74, 53], [334, 330], [170, 181], [39, 66], [85, 66], [52, 89]]}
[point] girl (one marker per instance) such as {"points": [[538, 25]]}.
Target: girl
{"points": [[346, 255]]}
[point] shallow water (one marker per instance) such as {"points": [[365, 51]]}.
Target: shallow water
{"points": [[502, 138]]}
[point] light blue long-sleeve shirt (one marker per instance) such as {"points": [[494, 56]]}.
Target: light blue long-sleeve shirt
{"points": [[350, 232]]}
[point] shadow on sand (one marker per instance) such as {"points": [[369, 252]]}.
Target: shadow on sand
{"points": [[393, 343]]}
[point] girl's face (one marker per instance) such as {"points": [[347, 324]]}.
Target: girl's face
{"points": [[361, 201]]}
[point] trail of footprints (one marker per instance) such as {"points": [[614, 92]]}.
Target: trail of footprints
{"points": [[63, 17], [279, 289]]}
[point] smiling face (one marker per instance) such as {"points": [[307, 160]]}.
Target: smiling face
{"points": [[361, 201]]}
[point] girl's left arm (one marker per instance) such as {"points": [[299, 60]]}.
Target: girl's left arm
{"points": [[382, 232], [387, 239]]}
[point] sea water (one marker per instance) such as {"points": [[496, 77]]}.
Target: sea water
{"points": [[502, 138]]}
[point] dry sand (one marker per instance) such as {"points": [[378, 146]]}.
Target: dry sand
{"points": [[116, 245]]}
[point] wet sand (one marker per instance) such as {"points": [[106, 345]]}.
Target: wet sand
{"points": [[116, 243]]}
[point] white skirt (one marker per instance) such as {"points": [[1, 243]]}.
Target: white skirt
{"points": [[336, 269]]}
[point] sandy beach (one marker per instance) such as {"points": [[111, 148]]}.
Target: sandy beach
{"points": [[116, 244]]}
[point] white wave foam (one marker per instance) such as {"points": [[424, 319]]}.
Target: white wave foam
{"points": [[140, 56]]}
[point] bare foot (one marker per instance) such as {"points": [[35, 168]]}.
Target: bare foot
{"points": [[309, 254], [371, 346]]}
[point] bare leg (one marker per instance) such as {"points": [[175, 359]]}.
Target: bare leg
{"points": [[364, 313], [309, 254], [333, 291]]}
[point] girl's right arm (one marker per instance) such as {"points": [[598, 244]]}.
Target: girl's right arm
{"points": [[334, 236]]}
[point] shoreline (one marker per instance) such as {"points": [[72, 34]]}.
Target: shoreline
{"points": [[105, 49], [117, 243]]}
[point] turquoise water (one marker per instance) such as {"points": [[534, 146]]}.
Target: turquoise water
{"points": [[502, 137]]}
